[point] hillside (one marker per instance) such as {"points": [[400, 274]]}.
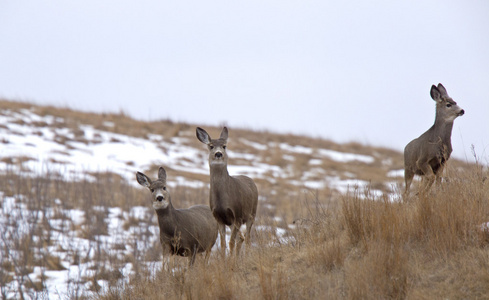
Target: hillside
{"points": [[78, 142], [75, 223]]}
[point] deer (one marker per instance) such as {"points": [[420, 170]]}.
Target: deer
{"points": [[428, 154], [232, 199], [183, 232]]}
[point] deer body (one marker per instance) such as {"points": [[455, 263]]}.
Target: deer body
{"points": [[183, 232], [182, 237], [233, 199], [426, 155], [227, 188]]}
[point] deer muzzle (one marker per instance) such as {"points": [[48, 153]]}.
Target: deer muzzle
{"points": [[461, 113]]}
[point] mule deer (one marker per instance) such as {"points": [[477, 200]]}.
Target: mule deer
{"points": [[183, 232], [426, 156], [233, 199]]}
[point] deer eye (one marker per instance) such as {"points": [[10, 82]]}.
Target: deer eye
{"points": [[449, 105], [211, 147], [224, 147], [164, 188], [152, 190]]}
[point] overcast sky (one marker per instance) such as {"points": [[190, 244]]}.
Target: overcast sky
{"points": [[341, 70]]}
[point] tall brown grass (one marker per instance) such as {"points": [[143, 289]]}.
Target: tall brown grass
{"points": [[363, 247], [334, 246], [360, 247]]}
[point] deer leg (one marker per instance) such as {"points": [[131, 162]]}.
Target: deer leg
{"points": [[193, 254], [240, 242], [408, 178], [191, 260], [222, 235], [249, 223], [207, 255], [166, 257], [429, 182], [429, 177], [439, 174], [232, 240]]}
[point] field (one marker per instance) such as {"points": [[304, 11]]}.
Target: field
{"points": [[331, 222]]}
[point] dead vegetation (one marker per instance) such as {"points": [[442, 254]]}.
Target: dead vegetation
{"points": [[307, 243], [361, 248]]}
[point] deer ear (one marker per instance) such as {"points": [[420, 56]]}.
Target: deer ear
{"points": [[442, 89], [143, 179], [162, 174], [435, 93], [203, 136], [224, 133]]}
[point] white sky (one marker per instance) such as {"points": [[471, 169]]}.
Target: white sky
{"points": [[343, 70]]}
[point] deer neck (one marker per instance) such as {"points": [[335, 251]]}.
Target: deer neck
{"points": [[166, 215], [219, 173], [442, 136], [219, 181], [443, 129]]}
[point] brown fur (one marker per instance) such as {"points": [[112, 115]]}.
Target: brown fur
{"points": [[183, 232], [426, 156], [233, 199]]}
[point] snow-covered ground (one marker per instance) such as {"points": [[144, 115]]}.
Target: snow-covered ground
{"points": [[80, 258], [65, 244], [94, 150], [32, 149]]}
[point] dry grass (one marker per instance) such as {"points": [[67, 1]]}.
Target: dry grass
{"points": [[351, 246], [360, 248]]}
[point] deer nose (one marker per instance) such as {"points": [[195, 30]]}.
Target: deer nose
{"points": [[218, 154], [461, 113], [160, 198]]}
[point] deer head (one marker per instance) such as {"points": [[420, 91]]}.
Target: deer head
{"points": [[447, 109], [161, 196], [217, 147]]}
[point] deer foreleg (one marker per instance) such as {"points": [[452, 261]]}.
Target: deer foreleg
{"points": [[439, 174], [429, 177], [249, 223], [192, 255], [240, 242], [408, 178], [232, 240], [207, 255], [222, 235]]}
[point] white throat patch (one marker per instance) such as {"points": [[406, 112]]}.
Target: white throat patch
{"points": [[160, 204]]}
